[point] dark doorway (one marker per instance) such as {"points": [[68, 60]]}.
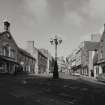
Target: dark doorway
{"points": [[103, 69]]}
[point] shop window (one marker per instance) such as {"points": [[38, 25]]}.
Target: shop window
{"points": [[97, 70], [2, 67]]}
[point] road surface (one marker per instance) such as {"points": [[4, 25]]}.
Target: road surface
{"points": [[33, 90]]}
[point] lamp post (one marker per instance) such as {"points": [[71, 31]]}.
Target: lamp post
{"points": [[55, 41]]}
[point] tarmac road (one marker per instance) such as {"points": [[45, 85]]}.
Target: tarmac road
{"points": [[34, 90]]}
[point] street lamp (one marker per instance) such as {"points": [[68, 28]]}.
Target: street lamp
{"points": [[55, 41]]}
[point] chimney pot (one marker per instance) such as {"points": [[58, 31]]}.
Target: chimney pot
{"points": [[6, 26]]}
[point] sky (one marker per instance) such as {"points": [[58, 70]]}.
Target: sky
{"points": [[39, 20]]}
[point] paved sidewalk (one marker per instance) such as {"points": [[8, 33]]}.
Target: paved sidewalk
{"points": [[42, 75], [93, 80], [84, 78], [71, 77]]}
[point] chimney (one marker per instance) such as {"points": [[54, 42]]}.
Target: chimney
{"points": [[30, 46], [6, 26], [104, 27]]}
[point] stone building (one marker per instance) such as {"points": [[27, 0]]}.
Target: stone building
{"points": [[87, 55], [50, 60], [82, 58], [78, 61], [26, 60], [30, 48], [42, 63], [10, 52], [43, 58], [99, 66], [62, 65], [72, 62]]}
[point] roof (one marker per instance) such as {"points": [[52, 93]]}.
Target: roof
{"points": [[20, 49], [91, 45], [42, 54], [8, 59], [46, 53], [2, 33], [26, 53]]}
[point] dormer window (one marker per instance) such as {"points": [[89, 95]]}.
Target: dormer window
{"points": [[101, 54]]}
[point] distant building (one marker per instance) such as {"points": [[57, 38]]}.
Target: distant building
{"points": [[42, 63], [43, 59], [78, 60], [61, 64], [95, 37], [81, 60], [26, 60], [50, 60], [72, 62], [30, 48]]}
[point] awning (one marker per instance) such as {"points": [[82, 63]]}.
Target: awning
{"points": [[8, 59], [101, 61]]}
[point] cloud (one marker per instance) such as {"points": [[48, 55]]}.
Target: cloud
{"points": [[36, 9], [86, 37], [97, 8], [56, 9], [71, 18]]}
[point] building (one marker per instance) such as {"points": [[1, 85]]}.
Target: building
{"points": [[78, 61], [50, 60], [72, 62], [10, 53], [99, 65], [42, 63], [26, 60], [44, 60], [81, 60], [30, 48], [94, 37], [61, 64], [87, 55]]}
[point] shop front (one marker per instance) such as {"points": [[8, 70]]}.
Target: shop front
{"points": [[8, 65]]}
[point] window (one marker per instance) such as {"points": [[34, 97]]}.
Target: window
{"points": [[5, 51], [12, 53], [1, 51], [101, 54], [97, 70]]}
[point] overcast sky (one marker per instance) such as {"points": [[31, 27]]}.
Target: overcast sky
{"points": [[39, 19]]}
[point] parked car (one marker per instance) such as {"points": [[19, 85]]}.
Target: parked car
{"points": [[101, 77]]}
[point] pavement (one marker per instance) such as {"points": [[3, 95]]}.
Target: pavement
{"points": [[36, 90]]}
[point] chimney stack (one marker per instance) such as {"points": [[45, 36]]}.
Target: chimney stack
{"points": [[30, 46], [6, 26], [104, 28]]}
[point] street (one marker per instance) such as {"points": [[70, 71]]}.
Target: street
{"points": [[34, 90]]}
